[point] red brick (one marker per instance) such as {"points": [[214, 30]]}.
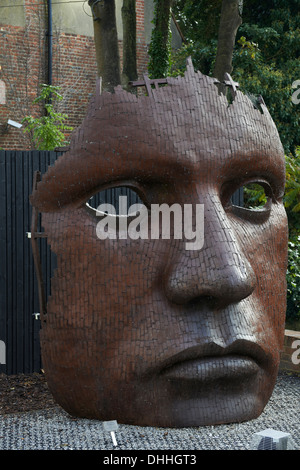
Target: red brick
{"points": [[23, 57]]}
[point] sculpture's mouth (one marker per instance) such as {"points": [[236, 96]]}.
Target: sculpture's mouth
{"points": [[212, 368], [212, 362]]}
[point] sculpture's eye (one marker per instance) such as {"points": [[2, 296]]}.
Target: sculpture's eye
{"points": [[256, 196], [254, 202], [115, 201]]}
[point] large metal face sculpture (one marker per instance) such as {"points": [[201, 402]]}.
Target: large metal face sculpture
{"points": [[144, 330]]}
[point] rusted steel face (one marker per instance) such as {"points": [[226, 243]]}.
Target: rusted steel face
{"points": [[143, 330]]}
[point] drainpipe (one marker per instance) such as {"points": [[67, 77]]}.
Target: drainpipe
{"points": [[49, 42]]}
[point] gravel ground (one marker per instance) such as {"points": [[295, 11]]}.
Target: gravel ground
{"points": [[54, 429]]}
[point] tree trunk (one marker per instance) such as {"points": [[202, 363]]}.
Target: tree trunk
{"points": [[229, 24], [129, 42], [162, 19], [159, 51], [106, 43]]}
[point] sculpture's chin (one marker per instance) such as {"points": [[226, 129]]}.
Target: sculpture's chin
{"points": [[164, 400]]}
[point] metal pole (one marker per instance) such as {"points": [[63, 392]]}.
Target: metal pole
{"points": [[49, 42]]}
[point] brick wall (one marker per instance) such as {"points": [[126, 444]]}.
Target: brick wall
{"points": [[291, 352], [23, 61], [22, 52], [75, 71], [142, 48]]}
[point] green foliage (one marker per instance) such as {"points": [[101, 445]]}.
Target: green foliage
{"points": [[260, 70], [159, 56], [292, 204], [159, 64], [46, 132], [293, 280], [199, 20], [292, 192], [254, 196], [203, 57]]}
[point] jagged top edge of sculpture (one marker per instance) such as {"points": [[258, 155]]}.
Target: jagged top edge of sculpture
{"points": [[204, 86], [107, 98]]}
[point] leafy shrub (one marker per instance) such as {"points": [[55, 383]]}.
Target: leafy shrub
{"points": [[293, 281], [47, 132]]}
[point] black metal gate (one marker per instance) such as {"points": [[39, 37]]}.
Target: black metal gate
{"points": [[19, 301]]}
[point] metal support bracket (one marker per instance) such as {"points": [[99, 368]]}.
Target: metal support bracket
{"points": [[92, 4], [148, 83], [34, 235]]}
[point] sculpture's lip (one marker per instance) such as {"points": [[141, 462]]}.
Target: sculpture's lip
{"points": [[212, 368], [241, 354]]}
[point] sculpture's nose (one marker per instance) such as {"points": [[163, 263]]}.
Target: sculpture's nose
{"points": [[219, 271]]}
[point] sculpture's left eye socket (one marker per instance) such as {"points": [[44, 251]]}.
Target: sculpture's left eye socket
{"points": [[119, 198]]}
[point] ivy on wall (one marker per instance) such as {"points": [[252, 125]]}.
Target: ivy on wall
{"points": [[160, 46]]}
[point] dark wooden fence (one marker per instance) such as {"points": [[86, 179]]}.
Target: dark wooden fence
{"points": [[19, 299]]}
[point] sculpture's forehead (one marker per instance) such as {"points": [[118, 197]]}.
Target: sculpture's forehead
{"points": [[183, 126], [180, 128], [181, 121]]}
